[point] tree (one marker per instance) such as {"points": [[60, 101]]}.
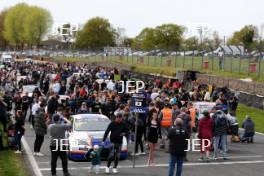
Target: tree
{"points": [[26, 24], [145, 40], [36, 25], [169, 36], [128, 42], [3, 41], [216, 40], [191, 43], [246, 36], [97, 33], [13, 23]]}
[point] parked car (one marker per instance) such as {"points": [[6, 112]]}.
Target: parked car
{"points": [[93, 125], [6, 58]]}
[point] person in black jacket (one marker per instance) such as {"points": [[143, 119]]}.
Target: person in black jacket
{"points": [[40, 128], [19, 130], [52, 105], [118, 129], [177, 145], [25, 104]]}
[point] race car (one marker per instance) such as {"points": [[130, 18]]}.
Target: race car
{"points": [[92, 126]]}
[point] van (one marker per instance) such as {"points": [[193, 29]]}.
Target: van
{"points": [[6, 58]]}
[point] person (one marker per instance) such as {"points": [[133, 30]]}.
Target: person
{"points": [[34, 109], [153, 133], [40, 128], [249, 128], [177, 145], [140, 131], [221, 126], [118, 129], [186, 118], [221, 59], [165, 118], [95, 156], [96, 106], [175, 111], [193, 113], [83, 109], [154, 94], [232, 105], [205, 132], [52, 105], [19, 130], [25, 104], [3, 114], [57, 135]]}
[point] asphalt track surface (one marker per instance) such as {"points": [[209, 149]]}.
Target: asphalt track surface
{"points": [[243, 160]]}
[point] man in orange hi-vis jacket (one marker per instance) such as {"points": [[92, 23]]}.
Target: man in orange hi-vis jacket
{"points": [[165, 118]]}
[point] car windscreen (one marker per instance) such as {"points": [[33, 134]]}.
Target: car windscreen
{"points": [[91, 124]]}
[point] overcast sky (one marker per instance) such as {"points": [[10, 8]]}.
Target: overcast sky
{"points": [[224, 16]]}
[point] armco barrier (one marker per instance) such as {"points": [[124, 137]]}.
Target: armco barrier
{"points": [[251, 100]]}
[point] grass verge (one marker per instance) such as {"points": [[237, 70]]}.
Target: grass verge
{"points": [[256, 115], [11, 164]]}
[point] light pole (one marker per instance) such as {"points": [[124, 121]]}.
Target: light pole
{"points": [[193, 45]]}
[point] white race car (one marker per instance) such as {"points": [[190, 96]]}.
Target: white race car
{"points": [[93, 126]]}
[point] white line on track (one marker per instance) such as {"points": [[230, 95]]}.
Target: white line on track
{"points": [[262, 134], [31, 158], [231, 157], [166, 165]]}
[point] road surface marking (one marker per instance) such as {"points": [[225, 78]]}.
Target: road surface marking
{"points": [[31, 158], [260, 133], [166, 165], [242, 129], [231, 157]]}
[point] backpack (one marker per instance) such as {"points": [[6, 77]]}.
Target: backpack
{"points": [[221, 121]]}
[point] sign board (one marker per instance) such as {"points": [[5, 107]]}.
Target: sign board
{"points": [[138, 103], [203, 106]]}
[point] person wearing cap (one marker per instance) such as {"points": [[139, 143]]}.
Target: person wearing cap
{"points": [[165, 118], [118, 129], [205, 133], [57, 136], [177, 145]]}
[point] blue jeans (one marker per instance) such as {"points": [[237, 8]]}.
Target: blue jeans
{"points": [[18, 141], [173, 160], [222, 140], [248, 137]]}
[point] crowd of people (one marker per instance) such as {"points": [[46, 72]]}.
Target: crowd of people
{"points": [[66, 89]]}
